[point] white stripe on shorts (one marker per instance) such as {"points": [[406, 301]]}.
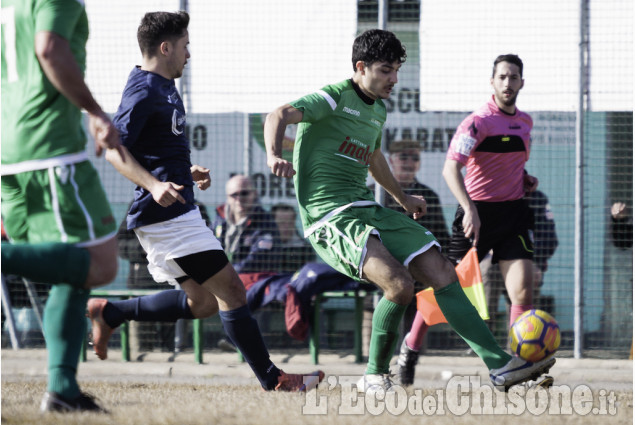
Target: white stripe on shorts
{"points": [[55, 204], [181, 236], [80, 202]]}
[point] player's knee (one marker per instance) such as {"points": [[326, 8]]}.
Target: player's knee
{"points": [[202, 310], [102, 272], [401, 292]]}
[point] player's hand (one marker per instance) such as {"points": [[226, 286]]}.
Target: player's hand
{"points": [[415, 205], [167, 193], [471, 225], [530, 183], [104, 133], [280, 167], [200, 176]]}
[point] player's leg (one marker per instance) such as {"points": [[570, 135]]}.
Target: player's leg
{"points": [[432, 268], [103, 263], [515, 256], [409, 350], [518, 276], [381, 268], [192, 301], [73, 214], [243, 330], [346, 244], [505, 370]]}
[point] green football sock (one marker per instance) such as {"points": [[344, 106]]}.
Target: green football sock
{"points": [[384, 336], [48, 262], [64, 332], [465, 320]]}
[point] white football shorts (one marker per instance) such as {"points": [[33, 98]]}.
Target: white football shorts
{"points": [[181, 236]]}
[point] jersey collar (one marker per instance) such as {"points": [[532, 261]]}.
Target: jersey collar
{"points": [[367, 100]]}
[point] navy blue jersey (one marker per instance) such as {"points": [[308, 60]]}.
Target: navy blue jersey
{"points": [[151, 122]]}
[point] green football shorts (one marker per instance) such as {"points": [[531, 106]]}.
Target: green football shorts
{"points": [[57, 204], [341, 240]]}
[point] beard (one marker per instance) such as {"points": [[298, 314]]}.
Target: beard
{"points": [[507, 101]]}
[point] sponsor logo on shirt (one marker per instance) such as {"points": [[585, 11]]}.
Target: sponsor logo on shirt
{"points": [[351, 111], [376, 122], [178, 123], [354, 150]]}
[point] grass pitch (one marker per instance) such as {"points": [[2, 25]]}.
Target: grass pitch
{"points": [[132, 403]]}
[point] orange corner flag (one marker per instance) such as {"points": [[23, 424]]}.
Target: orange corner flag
{"points": [[471, 281]]}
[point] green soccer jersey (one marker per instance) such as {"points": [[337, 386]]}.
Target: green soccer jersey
{"points": [[38, 122], [338, 133]]}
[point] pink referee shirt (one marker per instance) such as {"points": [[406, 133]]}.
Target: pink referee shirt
{"points": [[494, 147]]}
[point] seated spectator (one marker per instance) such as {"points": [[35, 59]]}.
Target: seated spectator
{"points": [[621, 226], [249, 236], [295, 251], [405, 161], [247, 232]]}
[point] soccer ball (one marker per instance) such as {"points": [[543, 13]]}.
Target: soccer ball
{"points": [[534, 335]]}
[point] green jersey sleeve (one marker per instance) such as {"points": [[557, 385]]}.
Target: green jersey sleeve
{"points": [[316, 106], [58, 16]]}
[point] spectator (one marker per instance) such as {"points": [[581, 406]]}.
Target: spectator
{"points": [[295, 251], [405, 161], [248, 233], [621, 226], [250, 238]]}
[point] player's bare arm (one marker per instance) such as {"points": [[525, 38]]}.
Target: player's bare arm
{"points": [[164, 193], [275, 125], [200, 176], [380, 171], [454, 179], [58, 63]]}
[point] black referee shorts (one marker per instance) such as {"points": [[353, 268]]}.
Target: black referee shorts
{"points": [[506, 228]]}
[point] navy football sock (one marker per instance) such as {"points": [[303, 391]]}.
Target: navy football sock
{"points": [[165, 306], [243, 330]]}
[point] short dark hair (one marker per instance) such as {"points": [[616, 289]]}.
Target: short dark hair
{"points": [[282, 207], [157, 27], [377, 46], [511, 58]]}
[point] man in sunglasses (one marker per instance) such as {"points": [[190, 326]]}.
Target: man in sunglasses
{"points": [[249, 234]]}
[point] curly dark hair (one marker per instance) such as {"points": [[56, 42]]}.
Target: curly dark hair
{"points": [[378, 46], [157, 27]]}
